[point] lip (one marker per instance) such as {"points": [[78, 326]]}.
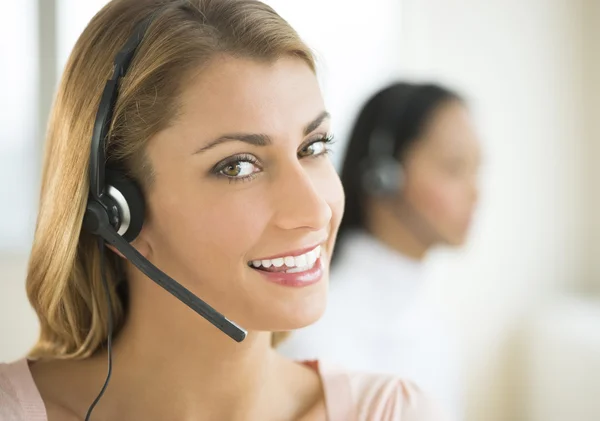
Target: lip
{"points": [[298, 279], [298, 252]]}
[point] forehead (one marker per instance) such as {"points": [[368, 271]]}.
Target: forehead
{"points": [[247, 95], [451, 130]]}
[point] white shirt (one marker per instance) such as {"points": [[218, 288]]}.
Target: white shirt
{"points": [[380, 319]]}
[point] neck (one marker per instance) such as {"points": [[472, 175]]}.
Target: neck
{"points": [[169, 363], [389, 228]]}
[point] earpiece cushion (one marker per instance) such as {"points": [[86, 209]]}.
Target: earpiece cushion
{"points": [[384, 176], [135, 201]]}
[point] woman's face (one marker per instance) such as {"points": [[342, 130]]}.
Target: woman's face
{"points": [[242, 179], [441, 173]]}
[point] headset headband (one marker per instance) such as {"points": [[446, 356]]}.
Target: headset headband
{"points": [[104, 115], [382, 142]]}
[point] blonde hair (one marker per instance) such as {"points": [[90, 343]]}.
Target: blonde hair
{"points": [[64, 279]]}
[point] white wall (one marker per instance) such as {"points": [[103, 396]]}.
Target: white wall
{"points": [[563, 360], [592, 81], [18, 323], [19, 162], [520, 64], [18, 123]]}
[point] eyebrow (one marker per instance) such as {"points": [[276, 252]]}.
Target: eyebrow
{"points": [[259, 139]]}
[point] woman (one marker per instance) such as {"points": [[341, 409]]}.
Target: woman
{"points": [[220, 121], [410, 178]]}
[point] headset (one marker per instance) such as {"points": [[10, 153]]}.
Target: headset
{"points": [[115, 209], [382, 174]]}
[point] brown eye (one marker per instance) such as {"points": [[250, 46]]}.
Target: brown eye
{"points": [[316, 148], [239, 169], [231, 170]]}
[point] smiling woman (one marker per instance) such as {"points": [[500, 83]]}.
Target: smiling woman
{"points": [[220, 122]]}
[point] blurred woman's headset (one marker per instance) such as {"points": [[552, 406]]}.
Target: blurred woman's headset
{"points": [[382, 173]]}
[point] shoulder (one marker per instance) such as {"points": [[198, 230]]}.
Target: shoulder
{"points": [[378, 397], [10, 407], [15, 394], [391, 398], [20, 398]]}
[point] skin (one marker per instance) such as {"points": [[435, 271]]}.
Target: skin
{"points": [[440, 191], [203, 229]]}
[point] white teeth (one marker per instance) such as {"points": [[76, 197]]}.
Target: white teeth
{"points": [[289, 261], [311, 257], [300, 261], [298, 269], [296, 263]]}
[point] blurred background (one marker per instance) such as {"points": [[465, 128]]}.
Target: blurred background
{"points": [[525, 292]]}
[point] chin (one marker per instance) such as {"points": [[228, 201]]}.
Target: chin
{"points": [[298, 310], [457, 240], [304, 315], [307, 319]]}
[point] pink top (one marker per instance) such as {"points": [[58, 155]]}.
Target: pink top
{"points": [[348, 396]]}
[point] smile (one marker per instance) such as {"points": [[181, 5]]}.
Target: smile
{"points": [[293, 270], [289, 264]]}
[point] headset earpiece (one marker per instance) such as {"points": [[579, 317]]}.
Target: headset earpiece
{"points": [[130, 201], [382, 176], [122, 207]]}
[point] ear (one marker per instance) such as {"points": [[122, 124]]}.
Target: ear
{"points": [[140, 244], [114, 250]]}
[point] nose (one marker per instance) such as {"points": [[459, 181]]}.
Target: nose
{"points": [[301, 201]]}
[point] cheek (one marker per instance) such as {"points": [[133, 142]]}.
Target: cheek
{"points": [[442, 199], [229, 224], [212, 229]]}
